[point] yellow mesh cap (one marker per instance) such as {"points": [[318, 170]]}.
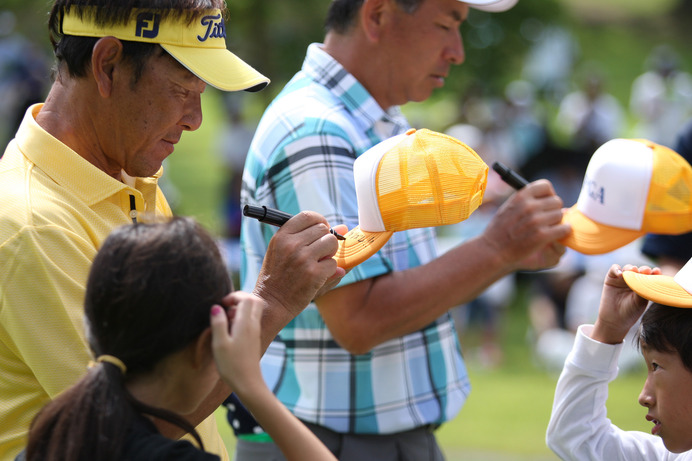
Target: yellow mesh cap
{"points": [[418, 179], [431, 179], [631, 187], [663, 289], [669, 207]]}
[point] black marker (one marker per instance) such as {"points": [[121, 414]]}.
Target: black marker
{"points": [[509, 176], [275, 217]]}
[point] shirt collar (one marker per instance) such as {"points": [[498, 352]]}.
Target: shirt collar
{"points": [[62, 164], [327, 71]]}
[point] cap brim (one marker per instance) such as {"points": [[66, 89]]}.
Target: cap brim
{"points": [[592, 238], [661, 289], [218, 67], [358, 246], [493, 6]]}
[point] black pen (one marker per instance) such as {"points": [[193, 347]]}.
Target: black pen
{"points": [[509, 176], [275, 217]]}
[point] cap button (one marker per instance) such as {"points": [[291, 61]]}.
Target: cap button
{"points": [[410, 131]]}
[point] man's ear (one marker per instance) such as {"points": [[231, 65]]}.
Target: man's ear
{"points": [[373, 15], [201, 350], [106, 55]]}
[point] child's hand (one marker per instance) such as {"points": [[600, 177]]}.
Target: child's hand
{"points": [[237, 352], [620, 307]]}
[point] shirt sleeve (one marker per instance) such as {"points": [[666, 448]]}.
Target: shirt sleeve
{"points": [[315, 172], [579, 429], [42, 284]]}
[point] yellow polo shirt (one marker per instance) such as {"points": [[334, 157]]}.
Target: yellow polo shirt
{"points": [[55, 211]]}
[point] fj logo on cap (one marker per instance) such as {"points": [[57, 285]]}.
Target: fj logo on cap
{"points": [[147, 24], [215, 28]]}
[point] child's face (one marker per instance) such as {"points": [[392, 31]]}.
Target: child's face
{"points": [[667, 393]]}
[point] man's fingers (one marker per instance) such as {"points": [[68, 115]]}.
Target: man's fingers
{"points": [[305, 220], [540, 188], [341, 229]]}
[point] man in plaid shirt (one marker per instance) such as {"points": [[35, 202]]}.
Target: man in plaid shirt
{"points": [[374, 366]]}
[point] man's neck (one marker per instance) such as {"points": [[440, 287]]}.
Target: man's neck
{"points": [[67, 118], [357, 58]]}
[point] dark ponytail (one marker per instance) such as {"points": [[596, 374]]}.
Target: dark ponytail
{"points": [[148, 295], [77, 425]]}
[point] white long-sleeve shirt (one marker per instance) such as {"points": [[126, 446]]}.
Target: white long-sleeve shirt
{"points": [[579, 428]]}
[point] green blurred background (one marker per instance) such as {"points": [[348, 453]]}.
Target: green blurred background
{"points": [[508, 410]]}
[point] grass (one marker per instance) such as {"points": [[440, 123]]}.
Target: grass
{"points": [[509, 407], [507, 414]]}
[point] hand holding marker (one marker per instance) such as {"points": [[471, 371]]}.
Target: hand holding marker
{"points": [[509, 176], [278, 218], [275, 217]]}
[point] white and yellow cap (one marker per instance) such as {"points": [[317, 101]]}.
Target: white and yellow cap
{"points": [[200, 46], [631, 187], [673, 291], [418, 179]]}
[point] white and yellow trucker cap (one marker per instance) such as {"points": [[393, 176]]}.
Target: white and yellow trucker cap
{"points": [[418, 179], [631, 187], [200, 46], [673, 291], [493, 6]]}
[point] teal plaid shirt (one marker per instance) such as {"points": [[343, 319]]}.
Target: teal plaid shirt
{"points": [[302, 158]]}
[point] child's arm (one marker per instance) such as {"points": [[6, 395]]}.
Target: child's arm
{"points": [[579, 429], [237, 355], [620, 307]]}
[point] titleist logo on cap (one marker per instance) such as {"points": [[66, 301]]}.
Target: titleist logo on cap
{"points": [[215, 27], [147, 26]]}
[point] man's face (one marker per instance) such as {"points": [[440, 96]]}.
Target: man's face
{"points": [[151, 115], [667, 393], [420, 48]]}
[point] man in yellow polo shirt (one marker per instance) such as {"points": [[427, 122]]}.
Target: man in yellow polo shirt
{"points": [[128, 83]]}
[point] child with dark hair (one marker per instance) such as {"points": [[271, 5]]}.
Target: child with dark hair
{"points": [[161, 341], [579, 428]]}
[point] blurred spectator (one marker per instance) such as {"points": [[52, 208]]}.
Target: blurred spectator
{"points": [[550, 60], [232, 147], [484, 313], [553, 329], [589, 117], [512, 127], [24, 76], [522, 118], [586, 118], [661, 98]]}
